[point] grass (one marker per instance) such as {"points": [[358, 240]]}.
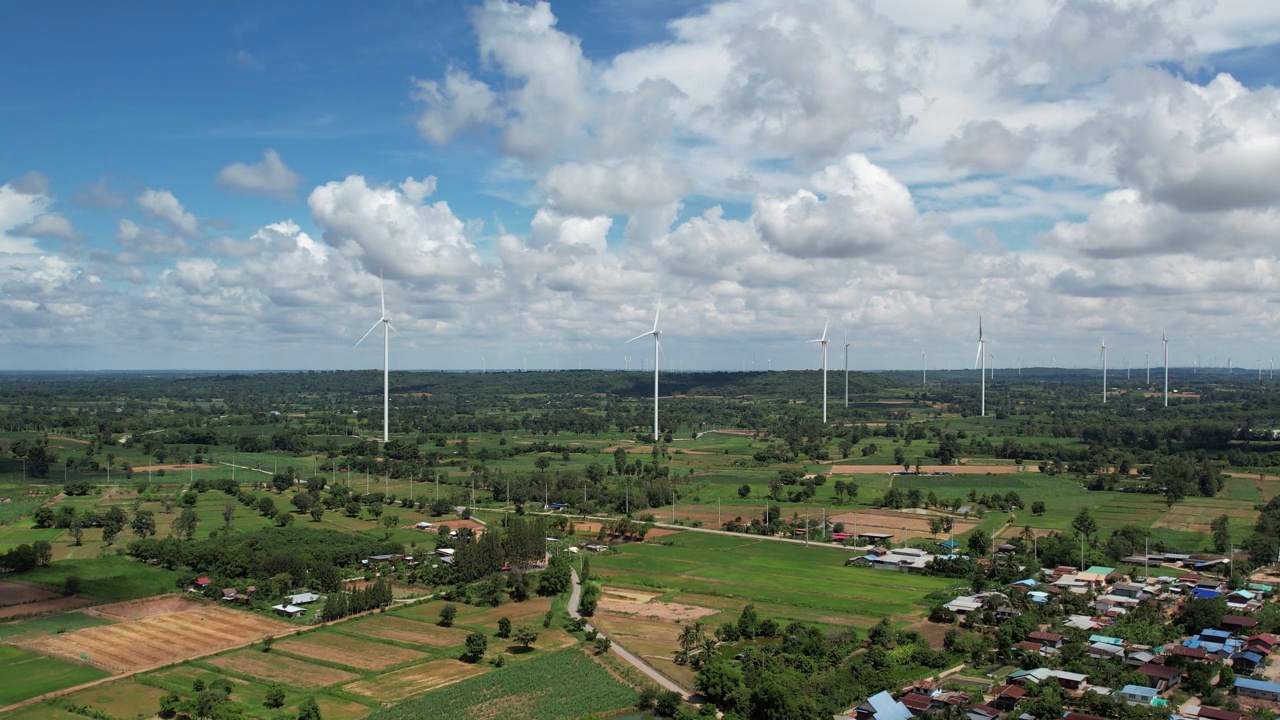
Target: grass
{"points": [[26, 674], [52, 625], [531, 689], [106, 579], [785, 581]]}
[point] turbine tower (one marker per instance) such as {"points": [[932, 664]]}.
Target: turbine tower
{"points": [[982, 358], [924, 368], [846, 371], [1165, 340], [657, 348], [1104, 371], [1148, 361], [385, 321], [823, 341]]}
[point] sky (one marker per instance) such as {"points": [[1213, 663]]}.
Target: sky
{"points": [[220, 186]]}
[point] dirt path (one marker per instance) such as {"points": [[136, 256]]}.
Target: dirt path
{"points": [[663, 681]]}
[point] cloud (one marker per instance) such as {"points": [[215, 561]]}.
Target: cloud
{"points": [[460, 101], [150, 241], [32, 183], [52, 225], [990, 147], [391, 232], [617, 187], [864, 210], [271, 177], [163, 206], [1197, 148], [99, 196], [21, 203], [245, 60]]}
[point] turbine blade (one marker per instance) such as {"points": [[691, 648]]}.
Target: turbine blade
{"points": [[979, 328], [394, 330], [375, 327], [657, 311], [382, 290], [825, 325], [638, 337], [978, 357]]}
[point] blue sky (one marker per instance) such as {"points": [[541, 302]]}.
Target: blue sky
{"points": [[176, 180]]}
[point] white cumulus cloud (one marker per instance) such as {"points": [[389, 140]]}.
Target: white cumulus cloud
{"points": [[163, 206], [271, 177]]}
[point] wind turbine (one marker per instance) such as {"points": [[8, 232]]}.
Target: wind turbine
{"points": [[1148, 361], [823, 340], [385, 321], [1104, 371], [982, 358], [846, 371], [1229, 368], [655, 332], [1165, 340], [924, 368]]}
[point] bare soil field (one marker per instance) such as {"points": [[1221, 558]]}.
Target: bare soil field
{"points": [[156, 635], [901, 525], [145, 607], [349, 651], [42, 606], [408, 631], [414, 680], [12, 593], [953, 469], [1197, 519], [655, 641], [277, 668], [645, 605], [166, 468]]}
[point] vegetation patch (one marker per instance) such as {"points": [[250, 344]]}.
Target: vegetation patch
{"points": [[26, 674], [534, 690], [401, 684], [346, 650], [278, 668]]}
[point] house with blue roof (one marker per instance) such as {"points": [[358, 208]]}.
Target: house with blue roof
{"points": [[1248, 687], [1204, 594], [1245, 661], [1138, 695], [882, 706]]}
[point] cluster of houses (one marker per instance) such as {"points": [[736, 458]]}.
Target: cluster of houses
{"points": [[1234, 642]]}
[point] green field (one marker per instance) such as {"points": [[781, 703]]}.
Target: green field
{"points": [[49, 625], [106, 579], [25, 674], [786, 581], [534, 689]]}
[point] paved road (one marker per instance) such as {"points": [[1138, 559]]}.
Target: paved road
{"points": [[644, 667]]}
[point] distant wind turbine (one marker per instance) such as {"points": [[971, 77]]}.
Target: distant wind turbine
{"points": [[657, 348], [1164, 339], [924, 368], [1104, 371], [982, 373], [385, 321], [823, 341]]}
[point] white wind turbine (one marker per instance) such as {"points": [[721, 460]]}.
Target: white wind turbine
{"points": [[1164, 339], [982, 358], [1104, 371], [657, 348], [823, 340], [387, 329]]}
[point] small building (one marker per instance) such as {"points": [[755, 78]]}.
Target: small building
{"points": [[304, 598], [1069, 680], [982, 712], [1049, 639], [424, 525], [1261, 689], [1198, 654], [1138, 695], [202, 583], [1245, 662], [882, 706], [1163, 677], [228, 594], [1212, 713], [1262, 642], [1238, 624], [873, 538], [1006, 697], [964, 604], [288, 610]]}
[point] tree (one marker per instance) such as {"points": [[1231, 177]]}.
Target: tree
{"points": [[228, 514], [143, 523], [1037, 507], [590, 598], [77, 530], [524, 636], [1084, 524], [979, 544], [284, 519], [477, 643], [274, 697], [184, 526], [447, 614], [267, 506], [71, 585], [317, 512], [1221, 532], [744, 491], [504, 627], [43, 552], [309, 710]]}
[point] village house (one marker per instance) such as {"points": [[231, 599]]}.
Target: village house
{"points": [[1261, 689], [1162, 677]]}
